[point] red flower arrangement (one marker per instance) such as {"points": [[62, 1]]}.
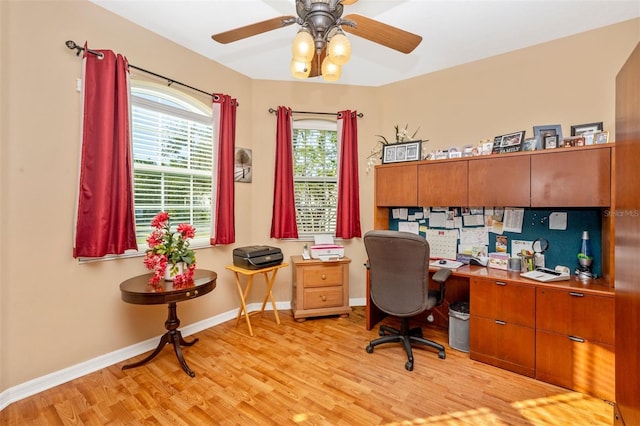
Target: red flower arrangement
{"points": [[167, 249]]}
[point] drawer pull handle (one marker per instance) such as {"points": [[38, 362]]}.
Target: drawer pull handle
{"points": [[324, 277], [500, 283], [576, 339], [501, 322], [188, 294], [324, 298], [575, 294]]}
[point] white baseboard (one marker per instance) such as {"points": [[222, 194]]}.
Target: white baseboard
{"points": [[59, 377]]}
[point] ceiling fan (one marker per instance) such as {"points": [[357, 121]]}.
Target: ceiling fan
{"points": [[320, 47]]}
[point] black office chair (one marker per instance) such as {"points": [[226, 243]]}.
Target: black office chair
{"points": [[399, 279]]}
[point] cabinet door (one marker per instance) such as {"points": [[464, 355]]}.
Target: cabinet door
{"points": [[554, 359], [396, 185], [516, 348], [575, 363], [443, 184], [504, 345], [571, 179], [593, 317], [503, 300], [500, 181], [577, 314]]}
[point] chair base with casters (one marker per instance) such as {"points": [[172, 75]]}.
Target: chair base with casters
{"points": [[407, 335]]}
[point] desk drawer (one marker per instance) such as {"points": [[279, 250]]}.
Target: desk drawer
{"points": [[322, 276], [323, 297]]}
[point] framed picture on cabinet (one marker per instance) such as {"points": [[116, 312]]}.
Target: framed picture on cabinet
{"points": [[401, 152], [540, 132], [530, 144], [511, 142], [601, 137], [550, 141], [572, 141], [578, 129]]}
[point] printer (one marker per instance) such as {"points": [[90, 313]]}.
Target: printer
{"points": [[325, 249]]}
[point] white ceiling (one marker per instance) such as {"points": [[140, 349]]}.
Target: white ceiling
{"points": [[454, 31]]}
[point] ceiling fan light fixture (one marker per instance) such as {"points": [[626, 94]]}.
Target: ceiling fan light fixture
{"points": [[303, 47], [330, 70], [300, 70], [339, 49]]}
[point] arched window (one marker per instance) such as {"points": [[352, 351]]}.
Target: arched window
{"points": [[172, 159]]}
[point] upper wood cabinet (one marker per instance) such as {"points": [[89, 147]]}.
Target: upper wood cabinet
{"points": [[571, 178], [443, 184], [396, 185], [499, 181]]}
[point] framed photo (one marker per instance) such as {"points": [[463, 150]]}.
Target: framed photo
{"points": [[601, 137], [578, 129], [574, 141], [487, 148], [242, 167], [550, 141], [588, 137], [400, 152], [511, 142], [530, 144], [540, 132]]}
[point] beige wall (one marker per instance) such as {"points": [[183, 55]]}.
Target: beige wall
{"points": [[55, 312]]}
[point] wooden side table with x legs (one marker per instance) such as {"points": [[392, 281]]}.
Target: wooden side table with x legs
{"points": [[269, 274]]}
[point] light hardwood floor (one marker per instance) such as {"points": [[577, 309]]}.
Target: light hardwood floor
{"points": [[311, 373]]}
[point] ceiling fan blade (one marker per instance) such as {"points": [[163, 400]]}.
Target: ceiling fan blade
{"points": [[253, 29], [386, 35]]}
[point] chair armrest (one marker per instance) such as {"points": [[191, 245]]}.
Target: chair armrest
{"points": [[441, 276]]}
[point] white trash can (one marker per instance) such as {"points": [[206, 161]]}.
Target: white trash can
{"points": [[459, 326]]}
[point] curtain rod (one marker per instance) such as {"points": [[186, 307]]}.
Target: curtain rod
{"points": [[72, 45], [273, 111]]}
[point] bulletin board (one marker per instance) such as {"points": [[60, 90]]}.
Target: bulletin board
{"points": [[564, 245]]}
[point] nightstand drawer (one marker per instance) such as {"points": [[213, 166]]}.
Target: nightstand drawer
{"points": [[323, 276], [323, 297]]}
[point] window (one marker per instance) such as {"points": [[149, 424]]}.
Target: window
{"points": [[172, 159], [315, 175]]}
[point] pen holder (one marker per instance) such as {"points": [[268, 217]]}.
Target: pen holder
{"points": [[528, 263], [515, 264]]}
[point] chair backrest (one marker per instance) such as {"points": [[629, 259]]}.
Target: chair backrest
{"points": [[399, 271]]}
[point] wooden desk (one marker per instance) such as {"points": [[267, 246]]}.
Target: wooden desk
{"points": [[137, 290], [373, 315], [269, 280]]}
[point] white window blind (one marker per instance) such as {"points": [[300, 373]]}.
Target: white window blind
{"points": [[315, 163], [172, 162]]}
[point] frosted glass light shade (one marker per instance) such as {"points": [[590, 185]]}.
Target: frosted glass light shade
{"points": [[303, 47], [300, 69], [330, 70], [339, 49]]}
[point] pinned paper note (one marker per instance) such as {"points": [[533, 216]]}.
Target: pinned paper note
{"points": [[558, 220]]}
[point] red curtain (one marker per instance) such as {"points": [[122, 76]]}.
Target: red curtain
{"points": [[283, 219], [223, 229], [348, 214], [105, 221]]}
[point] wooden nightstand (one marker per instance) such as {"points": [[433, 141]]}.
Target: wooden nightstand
{"points": [[320, 288]]}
